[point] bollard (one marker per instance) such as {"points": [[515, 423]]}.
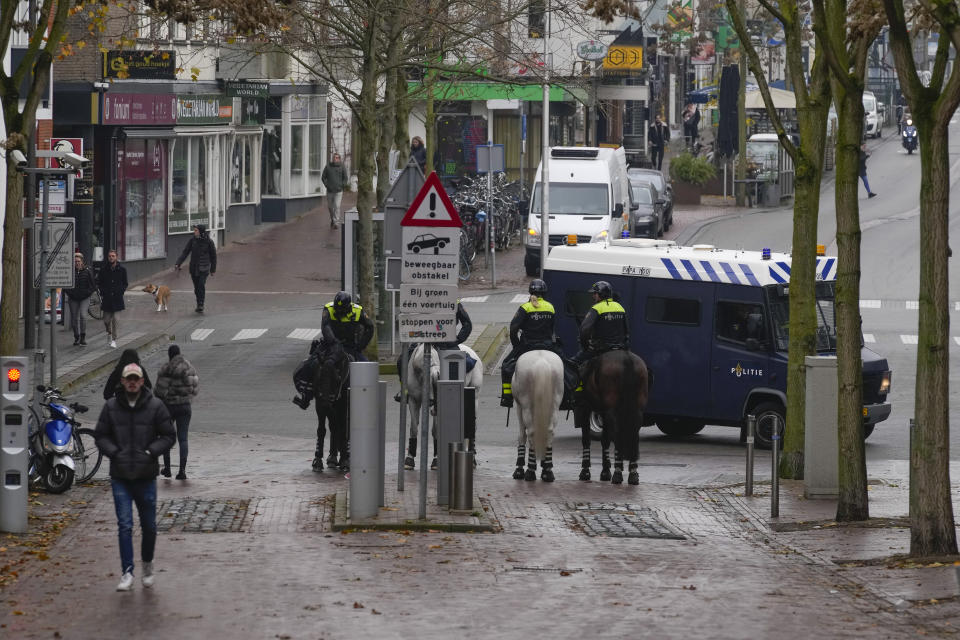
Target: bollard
{"points": [[364, 431], [401, 447], [382, 440], [452, 448], [775, 478], [449, 428], [470, 415], [461, 497], [751, 433]]}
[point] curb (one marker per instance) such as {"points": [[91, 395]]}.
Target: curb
{"points": [[489, 342], [70, 382], [442, 521]]}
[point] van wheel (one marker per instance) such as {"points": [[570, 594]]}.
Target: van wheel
{"points": [[678, 428], [770, 416]]}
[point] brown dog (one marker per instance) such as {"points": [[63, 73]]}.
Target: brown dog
{"points": [[161, 295]]}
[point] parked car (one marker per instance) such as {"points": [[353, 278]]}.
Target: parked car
{"points": [[664, 188], [649, 218]]}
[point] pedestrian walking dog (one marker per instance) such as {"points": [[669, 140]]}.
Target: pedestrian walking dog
{"points": [[161, 295]]}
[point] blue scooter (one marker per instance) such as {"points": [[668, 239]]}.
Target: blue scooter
{"points": [[909, 137], [52, 443]]}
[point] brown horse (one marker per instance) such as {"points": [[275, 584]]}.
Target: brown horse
{"points": [[615, 388]]}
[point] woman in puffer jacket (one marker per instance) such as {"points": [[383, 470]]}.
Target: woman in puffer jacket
{"points": [[177, 385]]}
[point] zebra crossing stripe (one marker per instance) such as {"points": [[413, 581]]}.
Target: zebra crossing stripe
{"points": [[304, 334], [913, 304], [868, 337], [248, 334], [905, 339], [475, 299], [869, 304], [200, 334], [956, 339], [520, 298]]}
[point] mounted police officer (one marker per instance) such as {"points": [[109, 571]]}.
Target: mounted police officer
{"points": [[604, 328], [344, 327], [531, 328]]}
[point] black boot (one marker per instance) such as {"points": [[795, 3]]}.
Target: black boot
{"points": [[410, 461], [76, 339], [83, 339], [302, 401]]}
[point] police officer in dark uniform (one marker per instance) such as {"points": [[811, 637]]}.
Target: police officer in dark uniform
{"points": [[605, 327], [531, 328], [344, 326]]}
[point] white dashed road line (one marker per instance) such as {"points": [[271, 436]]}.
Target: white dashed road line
{"points": [[304, 334], [519, 298], [905, 339], [869, 304], [249, 334], [200, 334], [868, 337], [475, 299]]}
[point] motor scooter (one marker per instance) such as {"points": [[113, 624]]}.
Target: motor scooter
{"points": [[909, 137], [52, 444]]}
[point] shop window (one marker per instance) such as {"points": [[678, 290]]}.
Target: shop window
{"points": [[536, 19], [198, 180], [179, 215], [144, 200], [242, 170], [296, 159], [190, 196], [316, 158]]}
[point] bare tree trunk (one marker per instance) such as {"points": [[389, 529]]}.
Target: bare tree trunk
{"points": [[12, 243], [852, 503], [387, 123], [366, 122], [401, 129], [430, 122], [932, 529]]}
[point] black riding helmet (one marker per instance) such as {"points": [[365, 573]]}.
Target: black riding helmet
{"points": [[342, 302], [538, 288], [602, 289]]}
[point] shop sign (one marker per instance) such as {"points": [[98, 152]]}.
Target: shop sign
{"points": [[204, 109], [592, 50], [252, 110], [140, 65], [247, 89], [138, 109], [624, 58]]}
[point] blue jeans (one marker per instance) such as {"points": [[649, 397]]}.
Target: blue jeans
{"points": [[144, 494], [180, 414], [866, 184]]}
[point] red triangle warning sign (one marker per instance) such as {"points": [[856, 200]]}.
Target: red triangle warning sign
{"points": [[432, 207]]}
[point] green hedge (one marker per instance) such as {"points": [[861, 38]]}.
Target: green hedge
{"points": [[692, 170]]}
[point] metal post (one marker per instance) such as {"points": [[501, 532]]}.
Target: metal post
{"points": [[364, 493], [461, 498], [491, 224], [44, 244], [775, 477], [751, 433], [381, 439], [424, 430], [545, 158], [404, 357]]}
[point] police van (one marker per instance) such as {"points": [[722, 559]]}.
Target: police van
{"points": [[711, 324]]}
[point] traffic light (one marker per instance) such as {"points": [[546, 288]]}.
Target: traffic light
{"points": [[14, 439]]}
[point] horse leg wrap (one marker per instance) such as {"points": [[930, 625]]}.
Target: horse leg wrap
{"points": [[412, 447], [634, 477]]}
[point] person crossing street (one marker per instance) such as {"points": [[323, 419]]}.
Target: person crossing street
{"points": [[203, 262]]}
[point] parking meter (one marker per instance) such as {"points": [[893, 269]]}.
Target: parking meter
{"points": [[14, 440]]}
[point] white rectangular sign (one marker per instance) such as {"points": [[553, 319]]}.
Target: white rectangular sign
{"points": [[430, 255], [59, 252], [433, 327], [428, 298], [58, 198]]}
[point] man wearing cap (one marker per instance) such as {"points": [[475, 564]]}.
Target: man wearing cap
{"points": [[203, 262], [133, 430]]}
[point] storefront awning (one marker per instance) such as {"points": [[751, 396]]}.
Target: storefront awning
{"points": [[623, 92], [159, 132], [496, 91]]}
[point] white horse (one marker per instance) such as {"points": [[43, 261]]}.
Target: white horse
{"points": [[537, 390], [414, 386]]}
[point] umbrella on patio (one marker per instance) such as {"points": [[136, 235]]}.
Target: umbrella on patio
{"points": [[728, 130]]}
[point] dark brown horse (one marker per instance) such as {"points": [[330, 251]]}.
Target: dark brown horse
{"points": [[330, 384], [615, 388]]}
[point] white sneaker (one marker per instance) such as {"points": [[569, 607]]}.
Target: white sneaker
{"points": [[113, 344], [126, 582], [147, 578]]}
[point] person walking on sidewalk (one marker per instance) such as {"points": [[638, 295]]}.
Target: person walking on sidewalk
{"points": [[691, 127], [203, 262], [659, 136], [134, 429], [78, 298], [418, 151], [129, 356], [177, 384], [112, 285], [862, 168], [334, 178]]}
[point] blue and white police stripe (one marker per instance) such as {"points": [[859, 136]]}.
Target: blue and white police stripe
{"points": [[741, 273]]}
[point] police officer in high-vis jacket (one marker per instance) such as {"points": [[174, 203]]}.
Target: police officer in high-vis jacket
{"points": [[344, 325], [605, 327], [531, 328]]}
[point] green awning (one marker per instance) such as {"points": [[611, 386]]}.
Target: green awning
{"points": [[494, 91]]}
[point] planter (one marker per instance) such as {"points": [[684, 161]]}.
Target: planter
{"points": [[686, 193]]}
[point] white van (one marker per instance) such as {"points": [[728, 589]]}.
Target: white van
{"points": [[873, 121], [589, 197]]}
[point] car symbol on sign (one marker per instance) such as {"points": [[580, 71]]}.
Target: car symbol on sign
{"points": [[427, 240]]}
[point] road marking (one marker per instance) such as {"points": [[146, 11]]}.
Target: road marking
{"points": [[868, 337], [475, 299], [520, 298], [908, 339], [913, 304], [249, 334], [869, 304], [304, 334], [956, 339], [200, 334]]}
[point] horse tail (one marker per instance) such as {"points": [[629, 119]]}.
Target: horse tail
{"points": [[542, 397], [628, 429]]}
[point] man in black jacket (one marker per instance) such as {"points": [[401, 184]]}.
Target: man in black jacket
{"points": [[203, 262], [112, 284], [659, 136], [134, 429]]}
